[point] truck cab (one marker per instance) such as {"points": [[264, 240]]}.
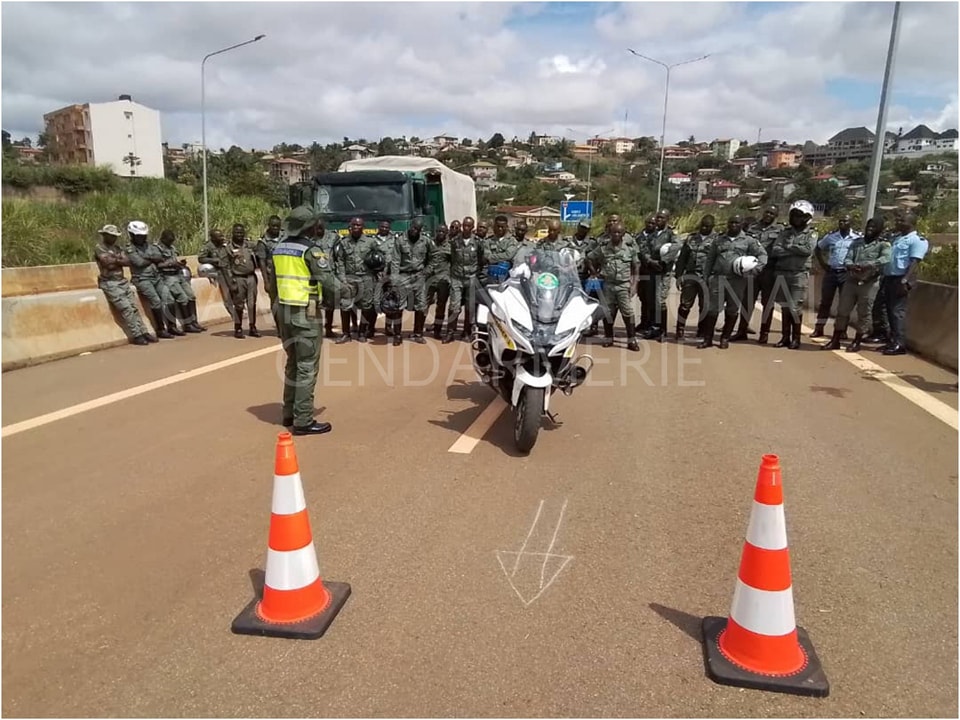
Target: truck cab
{"points": [[374, 196]]}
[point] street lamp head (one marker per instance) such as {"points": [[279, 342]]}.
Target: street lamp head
{"points": [[259, 37]]}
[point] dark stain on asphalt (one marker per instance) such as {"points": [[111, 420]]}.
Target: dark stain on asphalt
{"points": [[831, 391]]}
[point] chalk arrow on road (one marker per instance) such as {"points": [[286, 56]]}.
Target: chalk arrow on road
{"points": [[531, 573]]}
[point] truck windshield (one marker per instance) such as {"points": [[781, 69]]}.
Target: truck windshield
{"points": [[375, 199]]}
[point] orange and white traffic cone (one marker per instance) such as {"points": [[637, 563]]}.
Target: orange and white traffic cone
{"points": [[760, 646], [296, 603]]}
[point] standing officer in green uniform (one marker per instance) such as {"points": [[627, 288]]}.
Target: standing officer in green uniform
{"points": [[864, 262], [792, 251], [171, 275], [212, 254], [657, 255], [111, 260], [729, 288], [581, 241], [765, 231], [329, 242], [386, 242], [881, 326], [144, 259], [262, 250], [301, 269], [438, 278], [465, 258], [501, 247], [409, 274], [617, 264], [691, 280], [241, 262], [356, 280], [644, 242]]}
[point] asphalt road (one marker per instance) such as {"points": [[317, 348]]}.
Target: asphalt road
{"points": [[134, 532]]}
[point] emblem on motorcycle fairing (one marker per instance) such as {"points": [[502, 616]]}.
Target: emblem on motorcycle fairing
{"points": [[547, 281]]}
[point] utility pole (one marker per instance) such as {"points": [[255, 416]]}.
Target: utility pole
{"points": [[881, 135]]}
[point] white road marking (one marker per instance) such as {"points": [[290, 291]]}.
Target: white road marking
{"points": [[472, 435], [520, 554], [83, 407], [922, 399]]}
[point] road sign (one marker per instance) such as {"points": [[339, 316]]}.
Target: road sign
{"points": [[576, 210]]}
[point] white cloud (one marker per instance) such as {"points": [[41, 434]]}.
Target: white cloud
{"points": [[327, 70]]}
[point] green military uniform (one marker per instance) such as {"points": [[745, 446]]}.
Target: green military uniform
{"points": [[881, 326], [263, 251], [146, 279], [210, 254], [302, 269], [728, 289], [763, 283], [358, 281], [860, 288], [181, 292], [438, 281], [465, 259], [654, 304], [791, 252], [386, 244], [241, 265], [689, 271], [617, 265], [329, 298], [410, 276], [119, 293], [495, 250]]}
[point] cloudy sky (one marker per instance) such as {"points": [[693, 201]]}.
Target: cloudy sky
{"points": [[791, 71]]}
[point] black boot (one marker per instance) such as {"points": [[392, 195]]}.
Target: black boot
{"points": [[787, 328], [159, 326], [419, 320], [817, 330], [764, 335], [855, 345], [632, 343], [437, 329], [254, 332], [395, 328], [186, 317], [707, 330], [346, 323], [681, 326], [729, 322], [328, 323], [194, 316], [834, 343], [170, 315], [139, 340], [795, 332], [608, 333]]}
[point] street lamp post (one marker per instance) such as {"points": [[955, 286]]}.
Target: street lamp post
{"points": [[203, 125], [666, 95], [881, 136]]}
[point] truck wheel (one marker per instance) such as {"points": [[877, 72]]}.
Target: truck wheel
{"points": [[529, 413]]}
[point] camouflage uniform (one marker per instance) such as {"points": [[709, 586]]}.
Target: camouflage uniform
{"points": [[210, 254], [495, 250], [181, 292], [727, 289], [263, 251], [146, 279], [438, 281], [119, 293], [386, 244], [654, 303], [860, 288], [329, 299], [410, 276], [240, 264], [689, 271], [792, 251], [465, 258], [617, 265], [762, 284], [359, 280]]}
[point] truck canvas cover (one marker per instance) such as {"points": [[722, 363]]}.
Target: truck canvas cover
{"points": [[459, 191]]}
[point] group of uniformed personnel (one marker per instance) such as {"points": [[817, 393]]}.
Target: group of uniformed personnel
{"points": [[236, 263], [157, 273]]}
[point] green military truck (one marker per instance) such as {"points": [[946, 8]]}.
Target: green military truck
{"points": [[393, 188]]}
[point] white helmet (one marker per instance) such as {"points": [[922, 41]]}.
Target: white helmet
{"points": [[745, 265], [665, 250], [803, 206], [138, 227], [206, 270]]}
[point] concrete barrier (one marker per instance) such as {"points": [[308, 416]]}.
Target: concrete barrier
{"points": [[931, 319], [58, 311]]}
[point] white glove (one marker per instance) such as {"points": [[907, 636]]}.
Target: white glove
{"points": [[521, 270]]}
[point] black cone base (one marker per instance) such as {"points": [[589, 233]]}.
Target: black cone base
{"points": [[249, 623], [810, 681]]}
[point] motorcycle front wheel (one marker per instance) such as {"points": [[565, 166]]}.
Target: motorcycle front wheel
{"points": [[529, 412]]}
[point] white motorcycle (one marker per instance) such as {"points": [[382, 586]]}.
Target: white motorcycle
{"points": [[526, 336]]}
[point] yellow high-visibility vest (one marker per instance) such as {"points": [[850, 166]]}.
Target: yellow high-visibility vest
{"points": [[295, 283]]}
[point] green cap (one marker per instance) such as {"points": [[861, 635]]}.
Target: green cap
{"points": [[300, 219]]}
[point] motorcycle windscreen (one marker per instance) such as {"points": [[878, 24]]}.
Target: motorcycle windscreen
{"points": [[553, 281]]}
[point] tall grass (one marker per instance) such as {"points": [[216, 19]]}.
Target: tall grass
{"points": [[54, 233]]}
